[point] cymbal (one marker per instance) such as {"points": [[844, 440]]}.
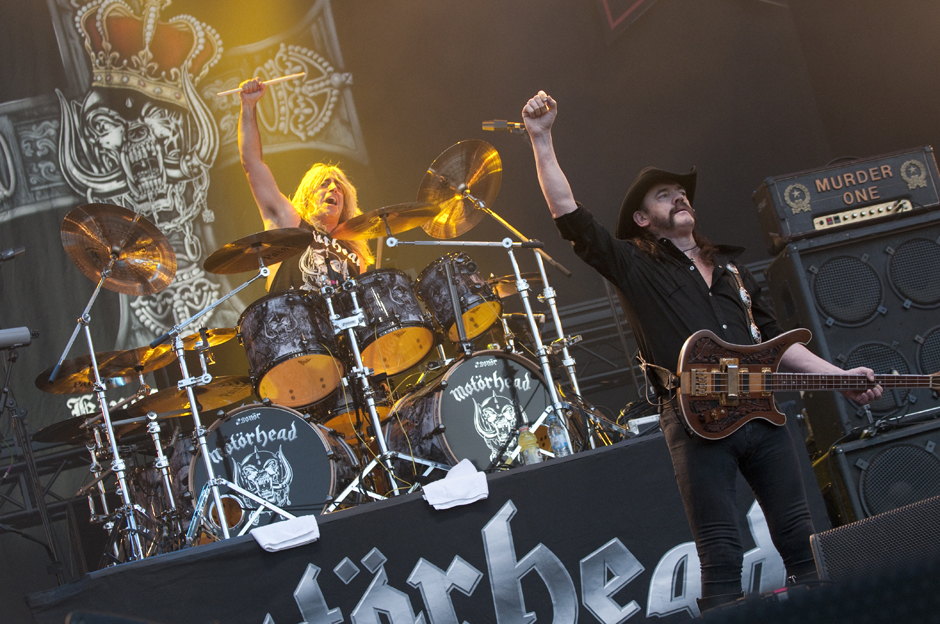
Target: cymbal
{"points": [[71, 431], [505, 286], [466, 168], [220, 392], [138, 361], [273, 246], [76, 375], [145, 262], [400, 218], [216, 337]]}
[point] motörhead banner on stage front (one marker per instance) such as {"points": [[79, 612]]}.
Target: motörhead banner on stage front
{"points": [[126, 114], [596, 537]]}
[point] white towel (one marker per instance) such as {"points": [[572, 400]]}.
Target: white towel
{"points": [[287, 533], [461, 486]]}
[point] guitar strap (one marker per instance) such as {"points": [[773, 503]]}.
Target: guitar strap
{"points": [[746, 300]]}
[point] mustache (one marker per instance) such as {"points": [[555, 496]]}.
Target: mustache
{"points": [[676, 209]]}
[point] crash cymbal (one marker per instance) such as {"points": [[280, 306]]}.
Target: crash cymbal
{"points": [[400, 218], [505, 286], [220, 392], [216, 337], [467, 168], [138, 361], [77, 377], [273, 245], [145, 262]]}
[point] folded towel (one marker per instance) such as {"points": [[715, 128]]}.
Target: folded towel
{"points": [[461, 486], [287, 533]]}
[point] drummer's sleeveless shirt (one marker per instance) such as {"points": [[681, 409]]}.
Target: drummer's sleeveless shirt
{"points": [[325, 257]]}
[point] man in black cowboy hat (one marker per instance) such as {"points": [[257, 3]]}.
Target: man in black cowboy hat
{"points": [[672, 282]]}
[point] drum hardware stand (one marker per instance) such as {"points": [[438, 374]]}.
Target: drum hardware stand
{"points": [[117, 463], [562, 342], [170, 517], [199, 432], [21, 431], [360, 372]]}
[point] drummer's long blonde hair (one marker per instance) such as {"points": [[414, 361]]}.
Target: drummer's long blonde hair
{"points": [[310, 211]]}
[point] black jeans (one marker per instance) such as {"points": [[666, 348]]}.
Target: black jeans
{"points": [[706, 471]]}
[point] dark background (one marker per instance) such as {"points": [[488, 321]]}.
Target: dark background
{"points": [[742, 89]]}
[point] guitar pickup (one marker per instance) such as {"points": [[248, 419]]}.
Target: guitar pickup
{"points": [[732, 374]]}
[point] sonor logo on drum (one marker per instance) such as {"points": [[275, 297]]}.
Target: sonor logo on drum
{"points": [[494, 382], [260, 437], [241, 420]]}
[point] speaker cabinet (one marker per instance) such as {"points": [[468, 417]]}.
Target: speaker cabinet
{"points": [[871, 297], [884, 543]]}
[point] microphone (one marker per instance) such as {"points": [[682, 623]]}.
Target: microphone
{"points": [[501, 125], [9, 254], [17, 337]]}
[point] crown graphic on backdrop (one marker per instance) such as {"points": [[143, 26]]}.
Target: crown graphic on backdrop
{"points": [[141, 52]]}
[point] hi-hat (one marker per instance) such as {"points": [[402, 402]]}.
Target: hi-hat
{"points": [[505, 286], [72, 431], [145, 262], [399, 218], [220, 392], [469, 168], [78, 377], [272, 246]]}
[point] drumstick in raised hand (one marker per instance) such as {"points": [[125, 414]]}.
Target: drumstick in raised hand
{"points": [[266, 82]]}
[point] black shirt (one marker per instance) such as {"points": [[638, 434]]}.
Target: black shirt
{"points": [[666, 299], [325, 257]]}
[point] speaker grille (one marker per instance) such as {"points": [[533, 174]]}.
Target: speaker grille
{"points": [[930, 352], [884, 361], [899, 475], [913, 271], [848, 290]]}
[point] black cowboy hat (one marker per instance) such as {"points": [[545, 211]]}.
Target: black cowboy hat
{"points": [[633, 201]]}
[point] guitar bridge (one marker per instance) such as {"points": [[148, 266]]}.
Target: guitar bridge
{"points": [[732, 374]]}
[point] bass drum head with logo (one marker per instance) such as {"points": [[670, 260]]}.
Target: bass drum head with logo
{"points": [[273, 453], [470, 411]]}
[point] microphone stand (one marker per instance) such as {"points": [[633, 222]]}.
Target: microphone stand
{"points": [[18, 417]]}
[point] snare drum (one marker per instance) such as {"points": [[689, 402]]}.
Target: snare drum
{"points": [[396, 335], [276, 455], [470, 412], [340, 414], [288, 338], [479, 305]]}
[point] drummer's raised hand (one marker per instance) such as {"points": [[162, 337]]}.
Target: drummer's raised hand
{"points": [[251, 91], [539, 114]]}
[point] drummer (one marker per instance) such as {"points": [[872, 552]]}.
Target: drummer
{"points": [[324, 199]]}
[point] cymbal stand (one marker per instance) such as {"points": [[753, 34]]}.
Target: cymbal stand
{"points": [[199, 432], [562, 342], [170, 517], [362, 374], [117, 463], [105, 518]]}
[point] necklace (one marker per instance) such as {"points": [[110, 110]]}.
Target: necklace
{"points": [[689, 249]]}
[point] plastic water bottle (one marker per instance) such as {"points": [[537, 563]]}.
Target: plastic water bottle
{"points": [[528, 446], [558, 437]]}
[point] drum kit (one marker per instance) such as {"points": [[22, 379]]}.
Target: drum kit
{"points": [[331, 430]]}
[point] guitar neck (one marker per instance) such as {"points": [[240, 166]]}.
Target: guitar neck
{"points": [[810, 381]]}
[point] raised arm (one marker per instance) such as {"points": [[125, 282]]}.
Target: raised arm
{"points": [[276, 210], [539, 115]]}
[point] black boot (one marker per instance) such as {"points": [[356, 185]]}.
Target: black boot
{"points": [[705, 604]]}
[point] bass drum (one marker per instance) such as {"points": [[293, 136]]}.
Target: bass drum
{"points": [[275, 454], [470, 412], [288, 338]]}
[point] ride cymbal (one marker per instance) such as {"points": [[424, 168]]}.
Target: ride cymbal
{"points": [[144, 260], [272, 246], [216, 337], [399, 218], [138, 361], [469, 169]]}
